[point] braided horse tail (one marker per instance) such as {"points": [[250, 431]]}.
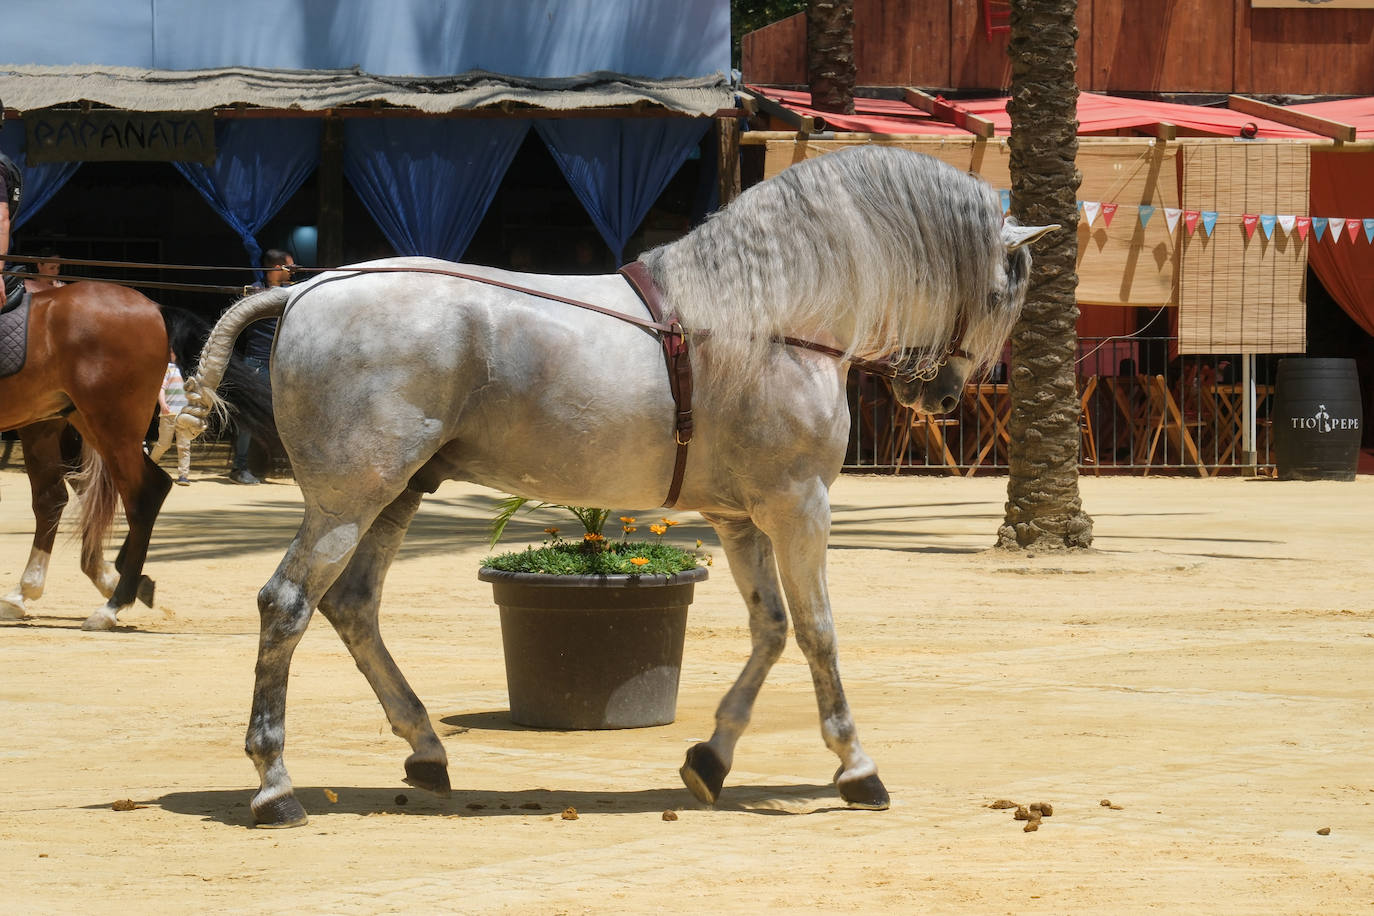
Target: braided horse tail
{"points": [[202, 387]]}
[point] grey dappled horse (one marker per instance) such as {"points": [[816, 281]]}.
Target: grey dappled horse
{"points": [[387, 382]]}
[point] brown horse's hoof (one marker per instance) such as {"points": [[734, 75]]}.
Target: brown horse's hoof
{"points": [[867, 792], [429, 775], [703, 773], [282, 811], [146, 587]]}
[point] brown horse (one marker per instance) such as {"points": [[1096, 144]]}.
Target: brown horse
{"points": [[95, 356]]}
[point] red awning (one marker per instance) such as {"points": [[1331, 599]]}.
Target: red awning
{"points": [[1096, 114]]}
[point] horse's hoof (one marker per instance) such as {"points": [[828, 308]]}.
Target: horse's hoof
{"points": [[867, 792], [703, 773], [146, 587], [103, 619], [282, 811], [429, 775], [12, 608]]}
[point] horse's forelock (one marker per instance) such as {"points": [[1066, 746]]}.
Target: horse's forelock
{"points": [[886, 243]]}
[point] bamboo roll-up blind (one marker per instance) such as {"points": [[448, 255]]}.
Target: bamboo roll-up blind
{"points": [[1242, 293], [1127, 262]]}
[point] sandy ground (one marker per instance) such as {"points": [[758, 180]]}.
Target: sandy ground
{"points": [[1207, 669]]}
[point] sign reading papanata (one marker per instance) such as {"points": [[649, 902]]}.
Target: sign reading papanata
{"points": [[108, 136]]}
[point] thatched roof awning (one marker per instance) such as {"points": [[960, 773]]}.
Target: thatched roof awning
{"points": [[30, 87]]}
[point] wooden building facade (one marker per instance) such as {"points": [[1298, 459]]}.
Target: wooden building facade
{"points": [[1162, 47]]}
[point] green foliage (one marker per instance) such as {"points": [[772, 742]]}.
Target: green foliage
{"points": [[593, 554], [569, 558], [592, 519], [750, 15]]}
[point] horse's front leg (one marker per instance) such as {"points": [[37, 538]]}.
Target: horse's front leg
{"points": [[799, 531], [351, 605], [751, 563]]}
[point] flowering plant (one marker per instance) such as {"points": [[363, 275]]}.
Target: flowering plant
{"points": [[593, 553]]}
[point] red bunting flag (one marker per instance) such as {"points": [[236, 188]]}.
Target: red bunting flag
{"points": [[1352, 228], [1108, 211], [1190, 219], [1304, 223], [1249, 222]]}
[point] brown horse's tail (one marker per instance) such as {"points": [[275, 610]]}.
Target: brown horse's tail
{"points": [[201, 396], [95, 487]]}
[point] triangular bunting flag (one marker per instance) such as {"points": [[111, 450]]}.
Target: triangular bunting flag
{"points": [[1190, 220], [1209, 221], [1352, 228], [1108, 211], [1249, 222], [1286, 223], [1006, 199], [1319, 226], [1369, 230], [1171, 215], [1304, 223], [1267, 224], [1335, 224], [1147, 211], [1090, 208]]}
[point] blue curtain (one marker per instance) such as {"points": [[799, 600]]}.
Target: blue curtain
{"points": [[261, 163], [617, 167], [429, 182], [41, 181]]}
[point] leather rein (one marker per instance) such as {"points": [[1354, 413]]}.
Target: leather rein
{"points": [[674, 337]]}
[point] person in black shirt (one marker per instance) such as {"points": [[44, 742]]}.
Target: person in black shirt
{"points": [[257, 350], [12, 186]]}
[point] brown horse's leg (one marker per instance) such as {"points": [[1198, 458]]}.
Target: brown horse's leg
{"points": [[43, 463], [142, 486]]}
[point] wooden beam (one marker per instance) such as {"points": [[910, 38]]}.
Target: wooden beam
{"points": [[1161, 130], [805, 124], [944, 111], [1322, 127]]}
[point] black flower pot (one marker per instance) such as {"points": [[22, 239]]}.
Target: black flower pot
{"points": [[592, 651]]}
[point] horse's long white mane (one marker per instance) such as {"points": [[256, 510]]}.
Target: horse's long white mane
{"points": [[888, 243]]}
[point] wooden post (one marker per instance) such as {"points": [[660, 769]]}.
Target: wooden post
{"points": [[329, 251], [727, 159], [1248, 449]]}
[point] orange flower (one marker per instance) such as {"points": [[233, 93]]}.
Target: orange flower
{"points": [[638, 561], [659, 530], [630, 529], [669, 522], [590, 536], [552, 531], [628, 519]]}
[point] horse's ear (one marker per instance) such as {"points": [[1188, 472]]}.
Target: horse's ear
{"points": [[1014, 236]]}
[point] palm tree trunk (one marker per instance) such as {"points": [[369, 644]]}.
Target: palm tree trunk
{"points": [[1043, 508], [830, 66]]}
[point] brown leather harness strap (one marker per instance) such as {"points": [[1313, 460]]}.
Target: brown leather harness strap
{"points": [[679, 359], [676, 352]]}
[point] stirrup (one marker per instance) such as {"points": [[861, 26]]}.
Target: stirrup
{"points": [[14, 294]]}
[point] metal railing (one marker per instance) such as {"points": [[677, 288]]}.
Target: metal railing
{"points": [[1143, 411]]}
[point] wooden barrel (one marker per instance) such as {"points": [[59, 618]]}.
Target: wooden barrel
{"points": [[1317, 419]]}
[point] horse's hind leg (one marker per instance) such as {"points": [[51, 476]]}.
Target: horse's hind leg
{"points": [[43, 463], [320, 552], [351, 605], [750, 555], [143, 487]]}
